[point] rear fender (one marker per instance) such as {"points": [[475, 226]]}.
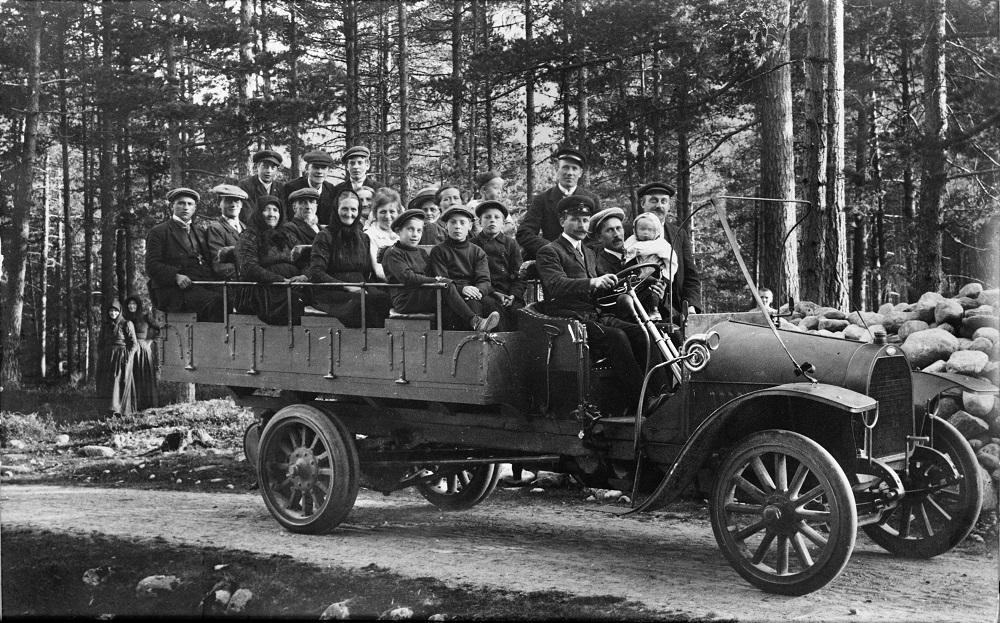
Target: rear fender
{"points": [[821, 412]]}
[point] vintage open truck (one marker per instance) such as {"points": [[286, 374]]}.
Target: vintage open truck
{"points": [[793, 456]]}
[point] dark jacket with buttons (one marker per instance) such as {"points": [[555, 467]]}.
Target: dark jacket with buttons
{"points": [[541, 223], [566, 279], [504, 258]]}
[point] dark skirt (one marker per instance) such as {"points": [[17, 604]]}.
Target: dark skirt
{"points": [[270, 303], [114, 379], [144, 376], [346, 306]]}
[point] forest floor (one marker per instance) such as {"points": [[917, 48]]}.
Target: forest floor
{"points": [[535, 553]]}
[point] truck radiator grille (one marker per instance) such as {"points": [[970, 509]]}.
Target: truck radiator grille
{"points": [[890, 384]]}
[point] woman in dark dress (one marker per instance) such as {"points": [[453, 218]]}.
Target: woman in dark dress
{"points": [[114, 362], [143, 361], [263, 254], [341, 253]]}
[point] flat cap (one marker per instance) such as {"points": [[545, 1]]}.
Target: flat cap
{"points": [[268, 154], [318, 156], [357, 150], [228, 190], [568, 153], [183, 192], [409, 213], [456, 211], [484, 178], [598, 219], [265, 200], [422, 197], [304, 193], [491, 205], [658, 188], [576, 205]]}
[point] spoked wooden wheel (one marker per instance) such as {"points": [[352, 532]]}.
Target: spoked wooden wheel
{"points": [[460, 488], [942, 500], [783, 513], [308, 469]]}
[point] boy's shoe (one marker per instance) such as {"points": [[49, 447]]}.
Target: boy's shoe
{"points": [[485, 324]]}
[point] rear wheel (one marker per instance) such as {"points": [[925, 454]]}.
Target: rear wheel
{"points": [[308, 469], [460, 488], [783, 513], [938, 509]]}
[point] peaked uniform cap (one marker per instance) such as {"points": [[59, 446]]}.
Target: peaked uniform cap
{"points": [[491, 205], [268, 154], [568, 153], [456, 211], [598, 219], [357, 150], [304, 193], [576, 205], [410, 213], [318, 156], [658, 188], [228, 190], [183, 192]]}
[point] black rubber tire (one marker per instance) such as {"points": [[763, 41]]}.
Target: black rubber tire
{"points": [[951, 512], [462, 490], [324, 487], [778, 538]]}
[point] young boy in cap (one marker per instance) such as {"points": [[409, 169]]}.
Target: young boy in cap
{"points": [[357, 162], [318, 166], [406, 263], [503, 256], [463, 262], [176, 255], [223, 232], [267, 164]]}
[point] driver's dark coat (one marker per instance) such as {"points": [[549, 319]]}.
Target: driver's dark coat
{"points": [[687, 283], [566, 280]]}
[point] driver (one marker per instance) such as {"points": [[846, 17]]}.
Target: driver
{"points": [[569, 274]]}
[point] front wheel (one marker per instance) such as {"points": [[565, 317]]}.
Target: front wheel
{"points": [[942, 499], [308, 469], [462, 488], [783, 513]]}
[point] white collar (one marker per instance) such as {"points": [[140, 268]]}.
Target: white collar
{"points": [[235, 223], [266, 185], [185, 225], [573, 241], [566, 192]]}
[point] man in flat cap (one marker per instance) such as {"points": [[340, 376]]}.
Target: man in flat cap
{"points": [[654, 197], [177, 254], [607, 230], [223, 232], [264, 181], [541, 223], [568, 270], [357, 162], [318, 167]]}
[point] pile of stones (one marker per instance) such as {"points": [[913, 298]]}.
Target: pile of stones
{"points": [[956, 334]]}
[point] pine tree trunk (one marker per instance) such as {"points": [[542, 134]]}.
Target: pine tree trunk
{"points": [[293, 92], [529, 109], [67, 283], [457, 132], [24, 204], [814, 245], [773, 102], [243, 84], [404, 112], [107, 171], [487, 27], [352, 113], [43, 270], [933, 174], [835, 250]]}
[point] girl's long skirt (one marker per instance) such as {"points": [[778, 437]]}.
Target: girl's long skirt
{"points": [[144, 376], [114, 380]]}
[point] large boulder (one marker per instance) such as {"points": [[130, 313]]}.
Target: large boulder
{"points": [[924, 347], [971, 290], [989, 333], [925, 307], [911, 326], [885, 308], [968, 303], [968, 362], [895, 319], [969, 425], [944, 326], [990, 297], [975, 321], [989, 490], [833, 324], [948, 406], [809, 323], [806, 308], [979, 405], [865, 319], [937, 366], [984, 345], [858, 334], [833, 314], [948, 310]]}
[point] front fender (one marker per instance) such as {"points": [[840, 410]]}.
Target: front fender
{"points": [[748, 413]]}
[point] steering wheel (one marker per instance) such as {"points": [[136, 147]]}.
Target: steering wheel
{"points": [[631, 276]]}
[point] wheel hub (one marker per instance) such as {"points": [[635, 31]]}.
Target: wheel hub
{"points": [[302, 469], [779, 514]]}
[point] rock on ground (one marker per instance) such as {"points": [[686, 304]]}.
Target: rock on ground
{"points": [[979, 405], [924, 347], [969, 425], [910, 327], [971, 290], [155, 584], [238, 602], [968, 362], [97, 451], [989, 333], [948, 310]]}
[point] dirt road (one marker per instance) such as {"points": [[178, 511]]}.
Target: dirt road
{"points": [[666, 560]]}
